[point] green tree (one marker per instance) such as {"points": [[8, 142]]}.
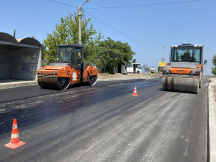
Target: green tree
{"points": [[109, 53], [44, 60], [214, 63], [66, 32], [134, 61]]}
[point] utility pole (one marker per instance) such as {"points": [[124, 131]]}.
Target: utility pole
{"points": [[163, 53], [14, 35], [80, 16]]}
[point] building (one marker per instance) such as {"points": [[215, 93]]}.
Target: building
{"points": [[19, 58]]}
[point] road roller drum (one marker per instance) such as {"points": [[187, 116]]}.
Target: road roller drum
{"points": [[190, 85], [53, 82]]}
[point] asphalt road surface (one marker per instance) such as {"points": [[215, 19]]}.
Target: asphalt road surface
{"points": [[105, 123]]}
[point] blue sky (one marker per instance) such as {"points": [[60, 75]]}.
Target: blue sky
{"points": [[146, 25]]}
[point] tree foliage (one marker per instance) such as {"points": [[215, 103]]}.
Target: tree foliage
{"points": [[66, 32], [214, 63], [109, 53], [105, 55], [134, 61]]}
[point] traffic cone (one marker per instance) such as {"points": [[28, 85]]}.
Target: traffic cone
{"points": [[15, 141], [135, 92]]}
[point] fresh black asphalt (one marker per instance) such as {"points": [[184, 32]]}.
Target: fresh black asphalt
{"points": [[105, 123]]}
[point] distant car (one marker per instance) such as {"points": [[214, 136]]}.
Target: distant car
{"points": [[134, 68]]}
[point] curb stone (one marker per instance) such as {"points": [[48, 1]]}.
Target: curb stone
{"points": [[212, 126]]}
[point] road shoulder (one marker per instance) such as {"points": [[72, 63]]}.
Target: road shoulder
{"points": [[212, 120]]}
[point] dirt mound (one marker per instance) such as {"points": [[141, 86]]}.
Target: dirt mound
{"points": [[106, 75]]}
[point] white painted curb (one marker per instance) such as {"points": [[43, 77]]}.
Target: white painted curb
{"points": [[212, 127]]}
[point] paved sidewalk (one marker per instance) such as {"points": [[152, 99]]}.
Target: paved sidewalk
{"points": [[212, 119], [12, 83]]}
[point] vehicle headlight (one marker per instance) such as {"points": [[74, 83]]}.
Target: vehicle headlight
{"points": [[54, 72], [195, 72], [166, 71], [39, 72]]}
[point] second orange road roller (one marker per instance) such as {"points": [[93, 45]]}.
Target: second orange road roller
{"points": [[184, 72], [68, 69]]}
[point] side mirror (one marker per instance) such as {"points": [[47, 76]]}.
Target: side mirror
{"points": [[205, 62]]}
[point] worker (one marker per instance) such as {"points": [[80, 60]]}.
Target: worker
{"points": [[152, 71], [186, 56]]}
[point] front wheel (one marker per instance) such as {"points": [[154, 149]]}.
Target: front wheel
{"points": [[92, 80], [63, 83]]}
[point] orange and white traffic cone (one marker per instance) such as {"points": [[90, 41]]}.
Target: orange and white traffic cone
{"points": [[15, 141], [135, 92]]}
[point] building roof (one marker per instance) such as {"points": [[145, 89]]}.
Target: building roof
{"points": [[7, 41]]}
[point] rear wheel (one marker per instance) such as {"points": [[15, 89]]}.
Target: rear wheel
{"points": [[92, 80]]}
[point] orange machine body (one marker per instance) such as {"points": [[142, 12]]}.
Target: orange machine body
{"points": [[68, 69], [186, 71], [67, 72]]}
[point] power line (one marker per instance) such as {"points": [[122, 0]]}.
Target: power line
{"points": [[103, 23], [63, 3], [120, 31], [146, 5], [110, 25], [44, 3], [159, 4]]}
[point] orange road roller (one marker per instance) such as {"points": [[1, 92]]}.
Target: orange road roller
{"points": [[68, 69], [184, 72]]}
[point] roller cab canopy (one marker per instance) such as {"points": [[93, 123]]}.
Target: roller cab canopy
{"points": [[187, 53], [71, 53]]}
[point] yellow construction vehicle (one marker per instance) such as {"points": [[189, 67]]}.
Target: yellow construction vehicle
{"points": [[185, 70], [67, 69], [161, 66]]}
